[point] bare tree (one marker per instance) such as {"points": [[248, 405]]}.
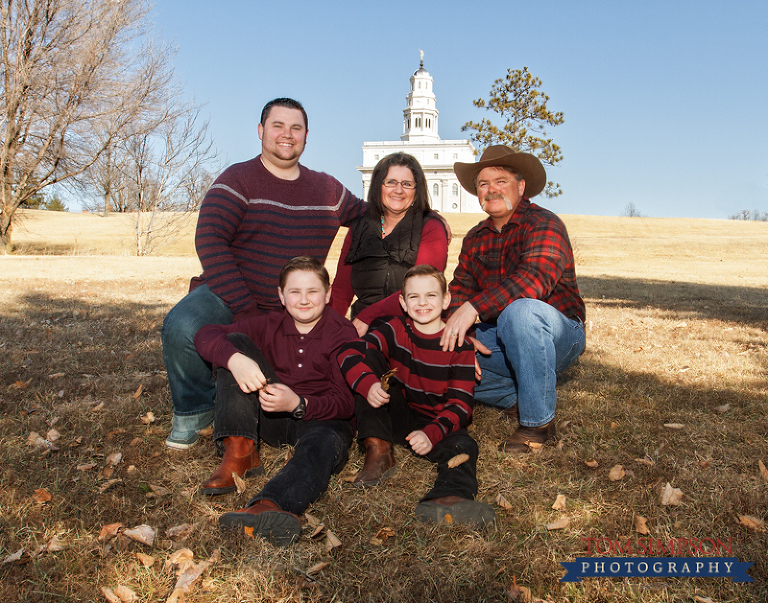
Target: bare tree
{"points": [[167, 168], [631, 211], [755, 215], [66, 67]]}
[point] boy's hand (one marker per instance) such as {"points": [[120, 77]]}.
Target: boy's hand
{"points": [[278, 397], [419, 442], [246, 372], [377, 396]]}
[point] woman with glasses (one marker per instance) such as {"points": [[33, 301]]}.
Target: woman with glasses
{"points": [[398, 231]]}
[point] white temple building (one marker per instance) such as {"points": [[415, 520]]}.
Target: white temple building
{"points": [[420, 139]]}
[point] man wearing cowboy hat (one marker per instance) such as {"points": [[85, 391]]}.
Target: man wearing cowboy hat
{"points": [[516, 277]]}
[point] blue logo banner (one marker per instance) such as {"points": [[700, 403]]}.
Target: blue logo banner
{"points": [[656, 567]]}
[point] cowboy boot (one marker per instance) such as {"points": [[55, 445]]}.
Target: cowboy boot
{"points": [[266, 519], [240, 457], [521, 440], [379, 462]]}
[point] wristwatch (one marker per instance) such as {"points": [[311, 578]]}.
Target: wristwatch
{"points": [[301, 409]]}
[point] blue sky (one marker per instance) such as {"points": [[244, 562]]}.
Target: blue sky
{"points": [[665, 102]]}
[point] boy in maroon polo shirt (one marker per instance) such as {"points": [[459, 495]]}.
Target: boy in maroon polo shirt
{"points": [[279, 381], [426, 405]]}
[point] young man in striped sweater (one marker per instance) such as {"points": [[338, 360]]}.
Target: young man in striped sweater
{"points": [[256, 216], [426, 403]]}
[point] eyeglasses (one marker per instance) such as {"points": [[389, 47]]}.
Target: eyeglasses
{"points": [[406, 184]]}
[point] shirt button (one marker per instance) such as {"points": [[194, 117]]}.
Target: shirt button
{"points": [[300, 364]]}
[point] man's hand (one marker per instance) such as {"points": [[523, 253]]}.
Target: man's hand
{"points": [[419, 442], [361, 327], [457, 325], [246, 372], [377, 396], [278, 397], [479, 349]]}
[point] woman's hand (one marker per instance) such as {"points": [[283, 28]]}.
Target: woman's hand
{"points": [[361, 327]]}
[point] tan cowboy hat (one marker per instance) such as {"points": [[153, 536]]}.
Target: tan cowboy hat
{"points": [[528, 166]]}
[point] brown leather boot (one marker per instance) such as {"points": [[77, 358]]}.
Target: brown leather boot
{"points": [[523, 437], [241, 457], [379, 462], [266, 519]]}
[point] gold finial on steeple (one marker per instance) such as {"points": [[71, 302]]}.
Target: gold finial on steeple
{"points": [[421, 62]]}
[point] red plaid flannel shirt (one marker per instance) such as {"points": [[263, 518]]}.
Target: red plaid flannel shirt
{"points": [[530, 258]]}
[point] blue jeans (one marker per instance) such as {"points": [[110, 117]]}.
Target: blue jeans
{"points": [[189, 376], [530, 343]]}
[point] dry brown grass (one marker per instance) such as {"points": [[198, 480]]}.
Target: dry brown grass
{"points": [[677, 329]]}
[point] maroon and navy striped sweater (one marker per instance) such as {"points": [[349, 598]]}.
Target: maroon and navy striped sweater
{"points": [[438, 384], [252, 222]]}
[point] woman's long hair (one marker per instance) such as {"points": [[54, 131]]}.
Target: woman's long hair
{"points": [[421, 198]]}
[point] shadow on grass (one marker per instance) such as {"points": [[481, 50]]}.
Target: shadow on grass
{"points": [[745, 305]]}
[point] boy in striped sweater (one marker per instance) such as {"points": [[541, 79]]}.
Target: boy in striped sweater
{"points": [[426, 402]]}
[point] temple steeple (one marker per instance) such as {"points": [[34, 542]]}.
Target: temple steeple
{"points": [[420, 114]]}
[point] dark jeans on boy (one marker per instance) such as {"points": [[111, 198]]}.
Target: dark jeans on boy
{"points": [[396, 419], [321, 448]]}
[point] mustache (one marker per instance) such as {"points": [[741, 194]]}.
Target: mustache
{"points": [[492, 196]]}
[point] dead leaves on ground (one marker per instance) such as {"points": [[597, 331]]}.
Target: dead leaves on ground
{"points": [[457, 460], [671, 496], [751, 522]]}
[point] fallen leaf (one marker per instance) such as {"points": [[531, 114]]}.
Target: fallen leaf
{"points": [[158, 491], [107, 472], [723, 408], [699, 599], [14, 557], [331, 542], [109, 595], [317, 568], [188, 577], [646, 461], [98, 407], [616, 473], [763, 470], [146, 560], [206, 432], [108, 484], [317, 531], [593, 464], [114, 459], [457, 460], [559, 504], [503, 502], [35, 439], [126, 594], [52, 435], [56, 375], [385, 534], [312, 520], [180, 532], [42, 496], [348, 479], [131, 471], [180, 560], [641, 526], [386, 377], [148, 418], [559, 523], [143, 534], [109, 531], [85, 467], [239, 482], [671, 496], [751, 522], [674, 425], [54, 545], [137, 393]]}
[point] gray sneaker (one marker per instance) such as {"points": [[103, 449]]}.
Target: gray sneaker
{"points": [[186, 429], [452, 509]]}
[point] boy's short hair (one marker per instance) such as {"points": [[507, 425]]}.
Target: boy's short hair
{"points": [[426, 270], [308, 264]]}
